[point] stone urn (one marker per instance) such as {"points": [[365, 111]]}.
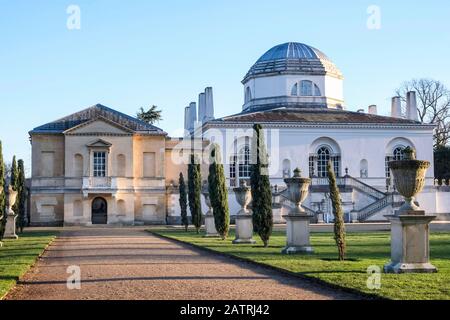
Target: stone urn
{"points": [[297, 191], [297, 221], [409, 180], [244, 219], [410, 231], [10, 228], [210, 225]]}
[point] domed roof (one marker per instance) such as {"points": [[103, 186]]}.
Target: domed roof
{"points": [[293, 58]]}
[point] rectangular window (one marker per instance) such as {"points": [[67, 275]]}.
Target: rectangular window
{"points": [[99, 164], [306, 88], [233, 167], [337, 165], [386, 164], [311, 166], [149, 165]]}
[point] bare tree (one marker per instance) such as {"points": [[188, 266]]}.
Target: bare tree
{"points": [[433, 105]]}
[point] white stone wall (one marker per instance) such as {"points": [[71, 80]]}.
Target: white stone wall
{"points": [[353, 144], [275, 86]]}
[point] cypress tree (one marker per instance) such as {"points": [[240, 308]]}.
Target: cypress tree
{"points": [[14, 174], [195, 189], [339, 225], [22, 196], [260, 184], [183, 202], [218, 193], [2, 195]]}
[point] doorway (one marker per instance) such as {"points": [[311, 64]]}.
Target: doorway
{"points": [[99, 211]]}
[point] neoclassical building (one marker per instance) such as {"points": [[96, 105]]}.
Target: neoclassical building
{"points": [[296, 93], [100, 166]]}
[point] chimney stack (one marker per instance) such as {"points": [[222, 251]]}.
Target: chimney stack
{"points": [[193, 115], [396, 107], [186, 118], [373, 109], [201, 107], [411, 106], [209, 104]]}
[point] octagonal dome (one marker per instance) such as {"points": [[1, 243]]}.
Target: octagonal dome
{"points": [[293, 58]]}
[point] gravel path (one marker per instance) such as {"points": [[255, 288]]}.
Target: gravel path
{"points": [[129, 263]]}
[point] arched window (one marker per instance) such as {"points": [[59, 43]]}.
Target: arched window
{"points": [[248, 94], [397, 154], [323, 156], [294, 91], [121, 165], [240, 162], [318, 162], [78, 166]]}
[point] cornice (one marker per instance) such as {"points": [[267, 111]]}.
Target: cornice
{"points": [[231, 124]]}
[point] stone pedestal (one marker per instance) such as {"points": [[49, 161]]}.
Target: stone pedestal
{"points": [[297, 233], [320, 219], [210, 226], [354, 217], [10, 228], [244, 229], [410, 251]]}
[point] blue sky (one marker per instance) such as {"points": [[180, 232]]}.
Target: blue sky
{"points": [[136, 53]]}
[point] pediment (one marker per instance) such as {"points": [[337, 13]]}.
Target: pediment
{"points": [[98, 126], [100, 143]]}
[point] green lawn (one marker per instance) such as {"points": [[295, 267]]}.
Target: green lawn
{"points": [[17, 256], [364, 250]]}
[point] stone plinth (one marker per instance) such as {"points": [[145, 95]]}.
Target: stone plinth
{"points": [[410, 251], [244, 229], [320, 219], [10, 228], [210, 226], [297, 232]]}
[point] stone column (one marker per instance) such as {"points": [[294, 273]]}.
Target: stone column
{"points": [[297, 221], [244, 220], [410, 249], [10, 228]]}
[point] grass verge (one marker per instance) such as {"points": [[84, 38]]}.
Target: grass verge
{"points": [[364, 250], [17, 256]]}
